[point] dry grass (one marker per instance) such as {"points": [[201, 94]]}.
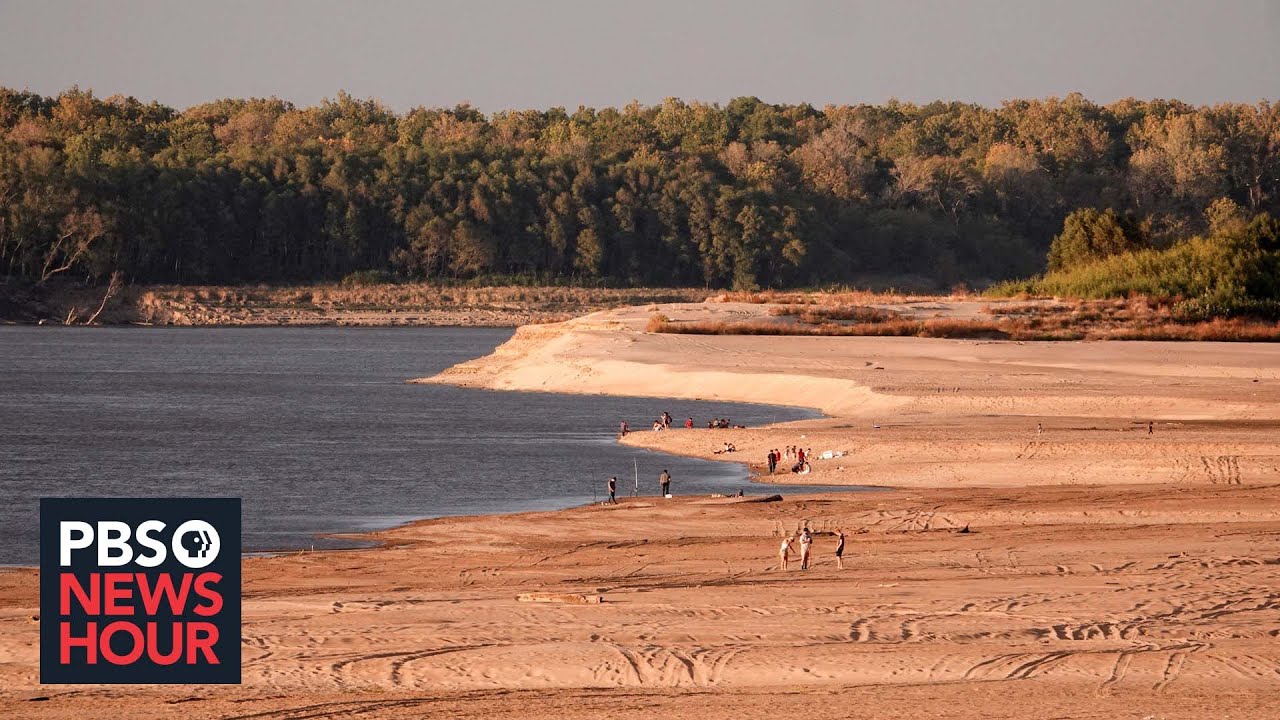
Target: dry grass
{"points": [[420, 295], [1214, 330], [817, 315], [1132, 318], [1135, 318], [328, 304], [897, 327], [421, 304], [820, 297]]}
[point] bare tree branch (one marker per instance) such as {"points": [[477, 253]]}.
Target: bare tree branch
{"points": [[113, 287]]}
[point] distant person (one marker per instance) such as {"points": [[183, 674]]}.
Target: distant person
{"points": [[784, 552], [839, 549], [1151, 428], [613, 490], [657, 425], [666, 419], [1039, 428], [688, 424], [800, 456], [773, 462], [665, 481], [806, 545], [623, 428]]}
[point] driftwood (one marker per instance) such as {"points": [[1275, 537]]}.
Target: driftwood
{"points": [[567, 598]]}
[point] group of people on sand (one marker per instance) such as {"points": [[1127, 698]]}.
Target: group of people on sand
{"points": [[804, 539], [798, 454], [664, 423], [728, 448]]}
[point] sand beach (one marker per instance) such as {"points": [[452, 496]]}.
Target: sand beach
{"points": [[1080, 529]]}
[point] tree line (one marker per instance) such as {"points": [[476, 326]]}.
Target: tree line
{"points": [[744, 195]]}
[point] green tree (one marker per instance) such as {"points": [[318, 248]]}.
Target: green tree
{"points": [[1089, 234]]}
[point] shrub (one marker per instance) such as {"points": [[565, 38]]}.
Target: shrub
{"points": [[367, 277], [1088, 234]]}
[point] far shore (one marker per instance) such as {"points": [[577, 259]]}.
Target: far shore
{"points": [[321, 305], [1065, 530]]}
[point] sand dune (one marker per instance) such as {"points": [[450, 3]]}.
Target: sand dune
{"points": [[1105, 572]]}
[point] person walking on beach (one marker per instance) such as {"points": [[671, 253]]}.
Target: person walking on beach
{"points": [[613, 490], [784, 552], [665, 480], [773, 462], [839, 549], [1151, 428], [1039, 428], [623, 428], [806, 544]]}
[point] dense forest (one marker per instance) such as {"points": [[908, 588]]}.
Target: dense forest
{"points": [[743, 195]]}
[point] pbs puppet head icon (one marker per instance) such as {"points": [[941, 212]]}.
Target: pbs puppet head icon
{"points": [[140, 590]]}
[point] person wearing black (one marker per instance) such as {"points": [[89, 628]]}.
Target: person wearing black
{"points": [[613, 491], [665, 480], [773, 462], [839, 549]]}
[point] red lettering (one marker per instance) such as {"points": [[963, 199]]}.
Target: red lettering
{"points": [[69, 584], [151, 596], [134, 633], [204, 643], [213, 596], [89, 642], [153, 646], [114, 593]]}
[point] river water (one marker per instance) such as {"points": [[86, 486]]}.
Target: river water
{"points": [[314, 428]]}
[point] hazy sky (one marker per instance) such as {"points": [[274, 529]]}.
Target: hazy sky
{"points": [[543, 53]]}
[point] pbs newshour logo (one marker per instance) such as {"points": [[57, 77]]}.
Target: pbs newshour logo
{"points": [[140, 590]]}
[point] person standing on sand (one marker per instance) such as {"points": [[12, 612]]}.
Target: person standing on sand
{"points": [[688, 424], [773, 462], [806, 544], [839, 549], [1151, 428], [623, 428], [784, 552], [613, 490], [1039, 428], [665, 480]]}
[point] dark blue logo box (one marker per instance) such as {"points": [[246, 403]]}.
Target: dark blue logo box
{"points": [[140, 590]]}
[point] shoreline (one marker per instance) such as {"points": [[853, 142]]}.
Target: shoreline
{"points": [[1094, 566], [324, 304]]}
